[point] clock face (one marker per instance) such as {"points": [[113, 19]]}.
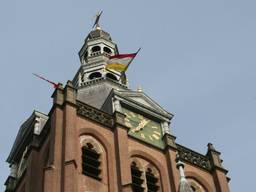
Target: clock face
{"points": [[143, 128]]}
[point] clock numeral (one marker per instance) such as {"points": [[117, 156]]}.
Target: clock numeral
{"points": [[156, 136], [128, 124], [156, 132], [154, 127], [142, 135], [127, 115], [132, 114], [150, 138]]}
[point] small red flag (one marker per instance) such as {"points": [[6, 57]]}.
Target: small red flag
{"points": [[55, 85]]}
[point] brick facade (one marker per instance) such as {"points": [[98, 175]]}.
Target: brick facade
{"points": [[56, 164]]}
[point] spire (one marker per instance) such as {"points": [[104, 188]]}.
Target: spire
{"points": [[96, 51], [184, 185]]}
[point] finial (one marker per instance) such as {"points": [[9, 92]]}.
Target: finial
{"points": [[139, 89], [96, 23], [211, 147], [184, 184], [179, 163]]}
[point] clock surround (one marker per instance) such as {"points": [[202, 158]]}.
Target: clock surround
{"points": [[143, 127]]}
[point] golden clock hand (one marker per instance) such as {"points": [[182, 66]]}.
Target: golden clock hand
{"points": [[144, 124], [141, 124]]}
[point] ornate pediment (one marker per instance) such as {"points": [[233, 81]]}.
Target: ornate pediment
{"points": [[138, 100]]}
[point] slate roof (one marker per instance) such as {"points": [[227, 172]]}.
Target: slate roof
{"points": [[98, 33], [96, 91], [25, 131], [184, 186]]}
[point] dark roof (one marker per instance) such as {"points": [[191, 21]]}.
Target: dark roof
{"points": [[25, 131], [98, 33]]}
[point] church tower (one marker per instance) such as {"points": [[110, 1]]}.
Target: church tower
{"points": [[101, 136]]}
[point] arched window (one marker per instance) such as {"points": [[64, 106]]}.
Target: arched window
{"points": [[111, 76], [196, 186], [95, 75], [95, 49], [151, 181], [91, 161], [193, 188], [137, 181], [145, 176], [107, 50]]}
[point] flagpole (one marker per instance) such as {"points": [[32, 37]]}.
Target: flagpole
{"points": [[122, 73], [132, 59], [55, 85]]}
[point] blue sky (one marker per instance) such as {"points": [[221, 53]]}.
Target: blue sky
{"points": [[197, 61]]}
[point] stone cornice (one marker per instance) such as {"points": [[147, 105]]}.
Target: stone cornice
{"points": [[169, 141], [141, 107], [194, 158], [94, 114], [100, 80]]}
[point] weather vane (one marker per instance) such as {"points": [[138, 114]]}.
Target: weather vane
{"points": [[96, 23]]}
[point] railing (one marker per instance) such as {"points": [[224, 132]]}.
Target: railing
{"points": [[95, 114], [193, 157], [95, 53], [96, 80]]}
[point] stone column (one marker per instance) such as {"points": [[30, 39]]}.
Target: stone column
{"points": [[70, 139], [116, 105], [219, 173], [170, 153], [14, 169], [10, 183], [52, 174], [166, 128], [122, 153]]}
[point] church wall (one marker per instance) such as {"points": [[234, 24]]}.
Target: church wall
{"points": [[36, 162], [113, 175], [42, 161]]}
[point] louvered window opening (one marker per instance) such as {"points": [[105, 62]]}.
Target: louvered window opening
{"points": [[136, 179], [151, 181], [91, 162]]}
